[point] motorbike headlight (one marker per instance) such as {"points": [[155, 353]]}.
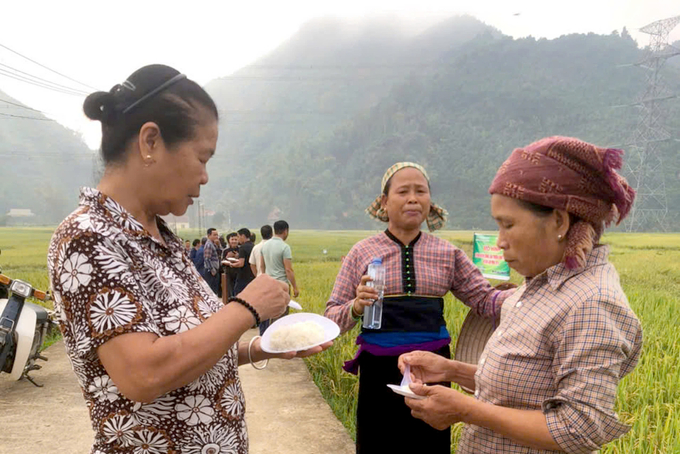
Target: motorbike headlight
{"points": [[21, 288]]}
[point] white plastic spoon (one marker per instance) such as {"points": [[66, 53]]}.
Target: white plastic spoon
{"points": [[406, 379], [404, 389]]}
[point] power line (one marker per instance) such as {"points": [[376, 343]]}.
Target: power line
{"points": [[25, 118], [27, 108], [21, 105], [38, 84], [49, 69], [49, 82]]}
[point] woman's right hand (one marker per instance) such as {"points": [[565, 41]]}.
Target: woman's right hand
{"points": [[268, 296], [365, 296], [427, 367]]}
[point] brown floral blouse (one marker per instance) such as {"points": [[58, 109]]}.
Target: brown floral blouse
{"points": [[110, 277]]}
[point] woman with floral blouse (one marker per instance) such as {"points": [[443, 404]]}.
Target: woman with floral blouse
{"points": [[155, 352]]}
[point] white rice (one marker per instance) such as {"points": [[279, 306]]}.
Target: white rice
{"points": [[296, 336]]}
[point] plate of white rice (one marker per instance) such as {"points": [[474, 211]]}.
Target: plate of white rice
{"points": [[299, 331]]}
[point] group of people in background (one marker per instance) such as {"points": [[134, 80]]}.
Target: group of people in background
{"points": [[240, 260]]}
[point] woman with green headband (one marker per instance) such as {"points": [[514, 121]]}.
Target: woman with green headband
{"points": [[420, 270]]}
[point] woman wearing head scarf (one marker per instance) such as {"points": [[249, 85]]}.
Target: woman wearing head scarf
{"points": [[547, 379], [420, 270], [155, 352]]}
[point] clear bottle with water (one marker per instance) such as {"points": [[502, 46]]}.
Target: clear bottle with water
{"points": [[373, 313]]}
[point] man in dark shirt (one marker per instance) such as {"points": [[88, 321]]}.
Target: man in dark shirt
{"points": [[230, 252], [244, 275], [198, 258], [194, 248]]}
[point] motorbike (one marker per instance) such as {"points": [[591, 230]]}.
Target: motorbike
{"points": [[24, 326]]}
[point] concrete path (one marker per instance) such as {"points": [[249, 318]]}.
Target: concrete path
{"points": [[284, 410], [53, 418]]}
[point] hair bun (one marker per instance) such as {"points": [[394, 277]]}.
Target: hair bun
{"points": [[99, 106]]}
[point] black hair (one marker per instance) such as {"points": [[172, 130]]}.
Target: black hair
{"points": [[244, 231], [253, 236], [545, 211], [196, 242], [280, 227], [538, 210], [123, 110], [211, 230], [204, 240], [231, 235], [266, 231]]}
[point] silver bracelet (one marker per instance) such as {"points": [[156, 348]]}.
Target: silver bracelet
{"points": [[250, 358]]}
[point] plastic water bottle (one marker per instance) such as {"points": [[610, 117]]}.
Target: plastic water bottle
{"points": [[373, 313]]}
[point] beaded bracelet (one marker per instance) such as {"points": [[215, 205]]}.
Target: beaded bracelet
{"points": [[250, 357], [247, 306]]}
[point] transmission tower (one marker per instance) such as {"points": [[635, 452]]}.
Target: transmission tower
{"points": [[645, 164]]}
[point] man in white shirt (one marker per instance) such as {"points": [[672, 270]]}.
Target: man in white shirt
{"points": [[277, 261], [266, 231]]}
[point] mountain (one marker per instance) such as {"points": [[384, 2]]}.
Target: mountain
{"points": [[328, 73], [42, 164], [337, 104], [463, 121], [457, 98], [308, 130]]}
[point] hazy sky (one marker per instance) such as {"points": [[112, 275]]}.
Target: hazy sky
{"points": [[100, 43]]}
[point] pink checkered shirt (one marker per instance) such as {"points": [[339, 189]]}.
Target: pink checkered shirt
{"points": [[565, 340], [439, 268]]}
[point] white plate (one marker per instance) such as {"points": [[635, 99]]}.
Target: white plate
{"points": [[330, 328], [232, 259], [399, 390]]}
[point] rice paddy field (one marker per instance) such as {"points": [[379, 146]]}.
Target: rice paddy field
{"points": [[649, 266]]}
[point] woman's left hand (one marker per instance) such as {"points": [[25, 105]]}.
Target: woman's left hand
{"points": [[261, 354], [303, 353], [442, 407]]}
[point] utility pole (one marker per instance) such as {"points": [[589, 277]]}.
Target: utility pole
{"points": [[645, 163], [199, 217]]}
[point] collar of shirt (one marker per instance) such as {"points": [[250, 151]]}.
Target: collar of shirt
{"points": [[123, 219], [398, 241], [558, 274]]}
